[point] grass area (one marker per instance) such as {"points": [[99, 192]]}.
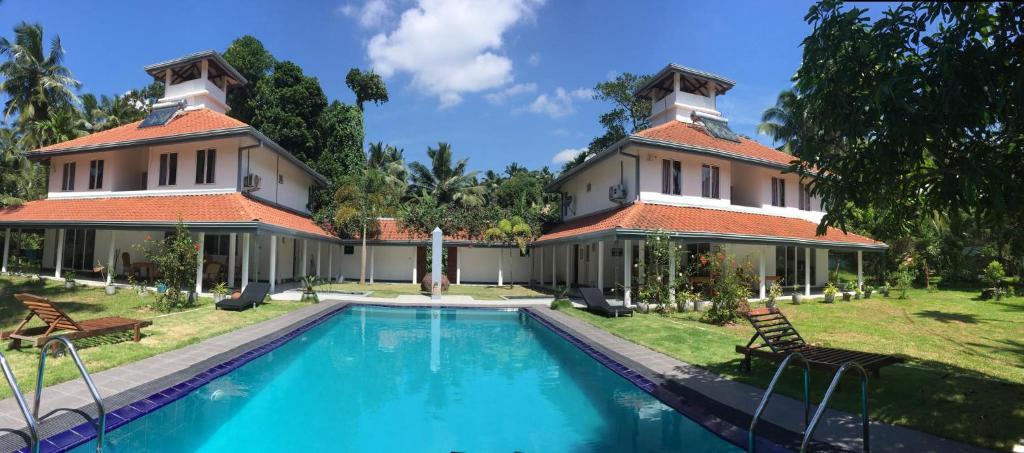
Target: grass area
{"points": [[392, 290], [964, 378], [168, 332]]}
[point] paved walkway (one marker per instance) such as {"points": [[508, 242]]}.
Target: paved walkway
{"points": [[415, 299]]}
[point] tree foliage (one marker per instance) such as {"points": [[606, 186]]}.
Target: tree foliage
{"points": [[367, 86], [34, 80], [248, 56], [287, 105], [628, 114], [446, 182]]}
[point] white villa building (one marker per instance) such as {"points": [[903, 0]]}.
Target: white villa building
{"points": [[690, 176], [245, 200], [243, 197]]}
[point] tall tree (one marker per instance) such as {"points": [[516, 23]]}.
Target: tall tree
{"points": [[367, 86], [60, 125], [445, 182], [34, 81], [390, 161], [287, 106], [363, 197], [247, 55], [925, 101], [783, 121], [628, 114]]}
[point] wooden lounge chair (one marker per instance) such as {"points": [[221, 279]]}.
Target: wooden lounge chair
{"points": [[252, 296], [781, 339], [59, 323], [596, 302]]}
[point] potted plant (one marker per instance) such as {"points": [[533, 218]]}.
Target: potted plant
{"points": [[774, 292], [848, 291], [830, 292], [220, 291], [868, 289], [884, 290], [161, 287], [797, 297], [102, 270], [69, 279], [309, 283]]}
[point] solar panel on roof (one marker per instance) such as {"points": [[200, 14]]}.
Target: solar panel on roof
{"points": [[719, 129], [159, 117]]}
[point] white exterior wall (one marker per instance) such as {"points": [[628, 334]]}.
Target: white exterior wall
{"points": [[480, 265], [292, 193], [391, 263], [600, 176], [650, 178], [225, 172]]}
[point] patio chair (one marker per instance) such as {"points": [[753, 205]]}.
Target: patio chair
{"points": [[58, 323], [126, 263], [252, 296], [594, 298], [213, 272], [781, 339]]}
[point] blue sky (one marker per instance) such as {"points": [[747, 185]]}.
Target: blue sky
{"points": [[501, 80]]}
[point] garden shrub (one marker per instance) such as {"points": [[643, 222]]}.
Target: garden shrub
{"points": [[176, 257], [728, 290], [561, 304], [903, 278]]}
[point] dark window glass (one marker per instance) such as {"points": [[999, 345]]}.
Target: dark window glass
{"points": [[782, 193], [200, 166], [96, 174], [168, 169], [709, 181], [217, 244], [666, 184], [677, 177], [775, 191], [349, 250], [68, 179], [211, 165], [714, 183], [163, 170]]}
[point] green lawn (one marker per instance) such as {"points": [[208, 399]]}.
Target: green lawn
{"points": [[392, 290], [965, 373], [168, 332]]}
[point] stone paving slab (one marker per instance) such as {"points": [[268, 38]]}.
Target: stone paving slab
{"points": [[838, 429]]}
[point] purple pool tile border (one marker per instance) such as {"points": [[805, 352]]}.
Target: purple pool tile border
{"points": [[726, 431], [85, 432]]}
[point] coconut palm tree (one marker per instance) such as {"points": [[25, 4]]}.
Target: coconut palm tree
{"points": [[447, 183], [363, 197], [34, 81], [390, 161], [783, 121], [60, 125]]}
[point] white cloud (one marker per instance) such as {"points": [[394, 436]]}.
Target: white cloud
{"points": [[567, 155], [561, 103], [372, 14], [534, 59], [499, 97], [451, 47]]}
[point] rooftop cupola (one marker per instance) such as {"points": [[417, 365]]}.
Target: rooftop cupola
{"points": [[199, 80], [684, 94]]}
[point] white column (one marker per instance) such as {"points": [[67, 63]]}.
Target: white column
{"points": [[60, 253], [305, 257], [232, 249], [541, 257], [554, 265], [642, 264], [760, 269], [671, 272], [372, 249], [330, 262], [860, 269], [245, 260], [111, 266], [273, 263], [200, 239], [501, 278], [600, 265], [458, 269], [318, 266], [7, 248], [627, 272], [807, 271], [568, 267]]}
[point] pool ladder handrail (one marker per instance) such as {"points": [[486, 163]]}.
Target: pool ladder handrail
{"points": [[33, 425], [771, 391], [101, 418], [809, 432]]}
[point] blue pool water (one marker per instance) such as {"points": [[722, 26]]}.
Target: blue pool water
{"points": [[373, 379]]}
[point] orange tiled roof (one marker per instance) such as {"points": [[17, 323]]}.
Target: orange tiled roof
{"points": [[695, 135], [186, 122], [192, 209], [390, 230], [680, 219]]}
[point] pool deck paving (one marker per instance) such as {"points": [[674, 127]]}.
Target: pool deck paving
{"points": [[726, 399]]}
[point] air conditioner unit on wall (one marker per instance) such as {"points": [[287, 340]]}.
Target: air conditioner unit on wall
{"points": [[251, 182], [617, 193]]}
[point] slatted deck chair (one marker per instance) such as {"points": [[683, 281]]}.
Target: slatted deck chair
{"points": [[780, 339], [59, 323], [594, 298]]}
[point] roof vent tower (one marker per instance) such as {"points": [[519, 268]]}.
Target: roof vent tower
{"points": [[199, 80], [684, 94]]}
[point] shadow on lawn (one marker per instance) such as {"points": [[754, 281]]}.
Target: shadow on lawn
{"points": [[945, 317], [935, 397], [12, 311]]}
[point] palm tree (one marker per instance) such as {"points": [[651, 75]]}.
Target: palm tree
{"points": [[363, 197], [448, 184], [60, 126], [390, 161], [108, 112], [783, 121], [35, 82], [510, 231]]}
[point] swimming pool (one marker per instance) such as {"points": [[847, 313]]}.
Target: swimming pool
{"points": [[418, 379]]}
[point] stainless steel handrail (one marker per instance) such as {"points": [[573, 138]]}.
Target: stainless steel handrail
{"points": [[101, 419], [828, 395], [33, 426], [771, 391]]}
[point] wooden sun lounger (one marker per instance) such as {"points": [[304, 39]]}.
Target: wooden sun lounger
{"points": [[596, 302], [59, 323], [780, 339]]}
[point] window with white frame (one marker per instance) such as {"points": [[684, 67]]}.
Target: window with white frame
{"points": [[168, 169], [95, 174], [710, 181], [671, 177], [206, 164], [779, 192], [805, 198], [67, 181]]}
